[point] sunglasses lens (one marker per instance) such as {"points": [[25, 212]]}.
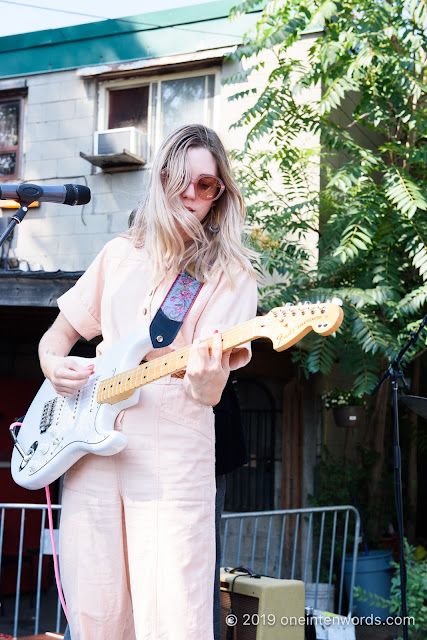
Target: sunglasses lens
{"points": [[208, 187]]}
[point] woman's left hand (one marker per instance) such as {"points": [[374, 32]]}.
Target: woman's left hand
{"points": [[208, 372]]}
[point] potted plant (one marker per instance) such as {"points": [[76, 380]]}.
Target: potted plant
{"points": [[416, 568], [348, 408]]}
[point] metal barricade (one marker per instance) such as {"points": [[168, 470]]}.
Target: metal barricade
{"points": [[300, 544], [306, 544], [31, 521]]}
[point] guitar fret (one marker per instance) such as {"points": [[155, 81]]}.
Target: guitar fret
{"points": [[139, 375], [128, 381], [151, 371], [144, 368], [169, 364]]}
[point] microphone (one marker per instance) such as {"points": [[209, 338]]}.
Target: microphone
{"points": [[62, 194]]}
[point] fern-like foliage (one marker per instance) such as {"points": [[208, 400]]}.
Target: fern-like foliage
{"points": [[353, 113]]}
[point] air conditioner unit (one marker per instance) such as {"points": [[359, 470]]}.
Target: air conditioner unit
{"points": [[117, 140]]}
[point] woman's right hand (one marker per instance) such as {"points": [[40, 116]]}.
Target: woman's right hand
{"points": [[67, 375]]}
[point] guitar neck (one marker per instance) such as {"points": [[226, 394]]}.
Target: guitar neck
{"points": [[122, 385]]}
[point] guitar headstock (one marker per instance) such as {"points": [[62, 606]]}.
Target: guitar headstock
{"points": [[287, 325]]}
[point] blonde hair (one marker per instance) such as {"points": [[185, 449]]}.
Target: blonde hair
{"points": [[155, 222]]}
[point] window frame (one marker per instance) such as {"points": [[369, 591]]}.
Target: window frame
{"points": [[12, 97], [153, 141]]}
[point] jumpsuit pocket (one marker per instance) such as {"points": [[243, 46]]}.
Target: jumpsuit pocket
{"points": [[179, 408]]}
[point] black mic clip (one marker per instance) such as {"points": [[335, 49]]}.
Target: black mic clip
{"points": [[28, 193]]}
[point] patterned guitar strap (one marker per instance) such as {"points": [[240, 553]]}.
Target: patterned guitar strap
{"points": [[174, 309]]}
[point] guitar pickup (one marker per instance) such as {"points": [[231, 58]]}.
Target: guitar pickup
{"points": [[47, 415]]}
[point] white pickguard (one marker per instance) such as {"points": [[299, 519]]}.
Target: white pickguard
{"points": [[77, 425]]}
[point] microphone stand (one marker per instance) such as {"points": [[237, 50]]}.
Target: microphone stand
{"points": [[24, 199], [394, 372], [17, 218]]}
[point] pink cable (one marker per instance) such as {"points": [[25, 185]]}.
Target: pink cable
{"points": [[15, 424], [52, 539], [55, 558]]}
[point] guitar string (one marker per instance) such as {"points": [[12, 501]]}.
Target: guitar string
{"points": [[111, 390], [110, 384]]}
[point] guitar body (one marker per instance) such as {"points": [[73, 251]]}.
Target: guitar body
{"points": [[65, 429]]}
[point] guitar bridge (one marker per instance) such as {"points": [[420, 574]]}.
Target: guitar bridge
{"points": [[47, 415]]}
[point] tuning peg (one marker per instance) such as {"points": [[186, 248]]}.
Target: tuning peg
{"points": [[337, 301], [289, 304], [307, 302]]}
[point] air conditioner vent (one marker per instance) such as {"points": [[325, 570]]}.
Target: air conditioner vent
{"points": [[112, 141]]}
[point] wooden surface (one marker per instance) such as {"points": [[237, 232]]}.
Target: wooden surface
{"points": [[39, 289]]}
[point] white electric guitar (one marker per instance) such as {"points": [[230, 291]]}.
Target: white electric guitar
{"points": [[58, 431]]}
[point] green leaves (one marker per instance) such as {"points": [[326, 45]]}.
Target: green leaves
{"points": [[413, 302], [335, 93], [321, 356], [334, 169], [404, 192], [418, 11], [354, 238]]}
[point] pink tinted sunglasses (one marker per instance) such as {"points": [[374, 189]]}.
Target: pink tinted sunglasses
{"points": [[207, 187]]}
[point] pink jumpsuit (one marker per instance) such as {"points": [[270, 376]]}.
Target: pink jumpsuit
{"points": [[137, 534]]}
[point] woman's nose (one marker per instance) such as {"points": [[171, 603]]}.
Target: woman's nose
{"points": [[190, 191]]}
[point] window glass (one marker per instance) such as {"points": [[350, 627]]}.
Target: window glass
{"points": [[7, 164], [9, 136], [129, 108], [182, 102]]}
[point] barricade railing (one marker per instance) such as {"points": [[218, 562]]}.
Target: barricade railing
{"points": [[308, 544], [24, 541]]}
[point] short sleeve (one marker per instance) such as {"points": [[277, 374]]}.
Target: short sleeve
{"points": [[81, 304], [228, 308]]}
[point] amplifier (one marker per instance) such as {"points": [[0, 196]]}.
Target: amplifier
{"points": [[263, 608]]}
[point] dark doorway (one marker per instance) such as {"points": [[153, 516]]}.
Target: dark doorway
{"points": [[251, 487]]}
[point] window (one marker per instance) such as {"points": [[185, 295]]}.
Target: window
{"points": [[158, 106], [184, 101], [129, 108], [10, 114]]}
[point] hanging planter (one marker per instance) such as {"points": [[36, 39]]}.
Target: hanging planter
{"points": [[348, 409], [348, 416]]}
